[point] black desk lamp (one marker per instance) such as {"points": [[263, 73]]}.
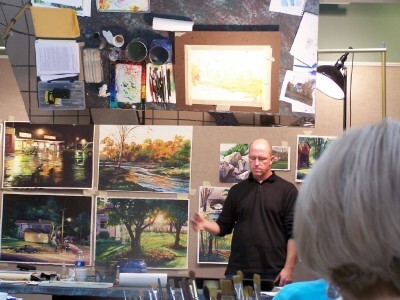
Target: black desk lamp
{"points": [[332, 81]]}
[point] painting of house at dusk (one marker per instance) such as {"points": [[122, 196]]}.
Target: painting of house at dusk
{"points": [[145, 158], [44, 228], [47, 156], [155, 230]]}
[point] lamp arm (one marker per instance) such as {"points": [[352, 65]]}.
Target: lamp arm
{"points": [[383, 66]]}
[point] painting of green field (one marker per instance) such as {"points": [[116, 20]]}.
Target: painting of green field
{"points": [[281, 158], [155, 230]]}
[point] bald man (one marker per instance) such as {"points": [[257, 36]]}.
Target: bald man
{"points": [[261, 210]]}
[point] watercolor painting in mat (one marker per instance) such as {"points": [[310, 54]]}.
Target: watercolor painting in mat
{"points": [[123, 5], [233, 162], [213, 78], [43, 228], [213, 249], [155, 230], [145, 158], [48, 156], [309, 149]]}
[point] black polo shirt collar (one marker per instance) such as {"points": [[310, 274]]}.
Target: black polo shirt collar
{"points": [[270, 179]]}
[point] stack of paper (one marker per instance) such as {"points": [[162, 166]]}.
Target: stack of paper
{"points": [[57, 59]]}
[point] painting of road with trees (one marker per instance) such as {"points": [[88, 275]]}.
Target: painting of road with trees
{"points": [[145, 158]]}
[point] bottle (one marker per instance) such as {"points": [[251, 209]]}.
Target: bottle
{"points": [[63, 273], [79, 260], [80, 271]]}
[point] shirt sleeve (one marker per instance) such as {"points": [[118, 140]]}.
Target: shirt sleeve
{"points": [[227, 218], [290, 201]]}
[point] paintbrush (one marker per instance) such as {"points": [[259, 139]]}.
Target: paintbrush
{"points": [[238, 286], [192, 276], [257, 286], [153, 291], [160, 290], [170, 289], [213, 292], [206, 293], [227, 291]]}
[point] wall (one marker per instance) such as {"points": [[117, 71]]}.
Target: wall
{"points": [[366, 108]]}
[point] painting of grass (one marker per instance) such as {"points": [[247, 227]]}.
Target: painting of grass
{"points": [[45, 229], [155, 230], [145, 158], [281, 158]]}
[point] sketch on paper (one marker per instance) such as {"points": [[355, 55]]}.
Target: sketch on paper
{"points": [[233, 162], [281, 158], [40, 228], [213, 249], [227, 76], [145, 158], [155, 230], [309, 149], [47, 155]]}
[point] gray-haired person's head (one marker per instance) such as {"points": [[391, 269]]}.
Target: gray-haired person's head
{"points": [[347, 220]]}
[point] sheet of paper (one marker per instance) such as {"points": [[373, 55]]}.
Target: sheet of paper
{"points": [[82, 7], [305, 46], [57, 57], [172, 25], [55, 22], [290, 7]]}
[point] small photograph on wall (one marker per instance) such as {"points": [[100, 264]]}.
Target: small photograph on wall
{"points": [[233, 162], [309, 149], [45, 229], [298, 89], [213, 249], [155, 230], [281, 158], [49, 156], [145, 158], [160, 86]]}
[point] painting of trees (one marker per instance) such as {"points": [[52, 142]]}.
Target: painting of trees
{"points": [[145, 158], [213, 249], [53, 227], [309, 149], [150, 229]]}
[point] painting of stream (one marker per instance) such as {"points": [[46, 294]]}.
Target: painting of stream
{"points": [[144, 158]]}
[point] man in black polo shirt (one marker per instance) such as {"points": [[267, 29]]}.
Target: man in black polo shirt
{"points": [[261, 210]]}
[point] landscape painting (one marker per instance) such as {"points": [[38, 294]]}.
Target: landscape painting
{"points": [[281, 158], [309, 149], [213, 249], [145, 158], [213, 78], [233, 162], [48, 156], [45, 229], [155, 230]]}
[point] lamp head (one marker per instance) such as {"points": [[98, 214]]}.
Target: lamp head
{"points": [[330, 81]]}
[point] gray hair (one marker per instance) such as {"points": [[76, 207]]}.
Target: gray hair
{"points": [[347, 220]]}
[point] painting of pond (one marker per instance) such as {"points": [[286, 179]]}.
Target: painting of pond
{"points": [[144, 158]]}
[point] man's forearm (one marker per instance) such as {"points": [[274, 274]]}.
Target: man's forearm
{"points": [[212, 227], [291, 255]]}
